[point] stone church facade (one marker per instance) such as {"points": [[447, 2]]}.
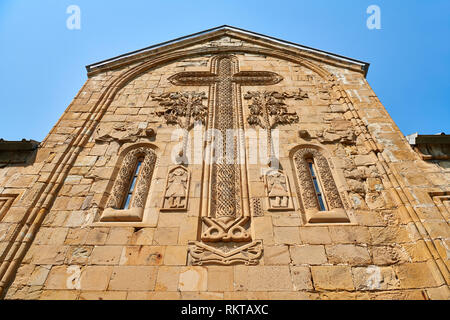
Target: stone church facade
{"points": [[122, 201]]}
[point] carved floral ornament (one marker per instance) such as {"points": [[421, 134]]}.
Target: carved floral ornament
{"points": [[268, 110], [182, 108]]}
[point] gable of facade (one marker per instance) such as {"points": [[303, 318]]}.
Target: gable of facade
{"points": [[128, 198]]}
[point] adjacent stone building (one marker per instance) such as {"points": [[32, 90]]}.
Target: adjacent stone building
{"points": [[225, 165]]}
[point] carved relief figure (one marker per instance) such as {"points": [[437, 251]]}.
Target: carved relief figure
{"points": [[177, 189], [277, 190]]}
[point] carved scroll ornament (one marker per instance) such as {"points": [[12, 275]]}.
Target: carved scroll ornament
{"points": [[202, 254]]}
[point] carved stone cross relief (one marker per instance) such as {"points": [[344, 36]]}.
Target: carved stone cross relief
{"points": [[225, 200]]}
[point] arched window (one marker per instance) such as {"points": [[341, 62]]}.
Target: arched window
{"points": [[317, 189], [131, 187], [317, 185]]}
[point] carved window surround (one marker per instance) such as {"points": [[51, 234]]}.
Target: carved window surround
{"points": [[6, 201], [140, 213], [336, 212]]}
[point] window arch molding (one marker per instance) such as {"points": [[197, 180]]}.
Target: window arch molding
{"points": [[317, 190], [132, 178]]}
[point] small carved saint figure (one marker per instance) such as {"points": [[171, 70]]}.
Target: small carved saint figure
{"points": [[176, 192], [278, 190]]}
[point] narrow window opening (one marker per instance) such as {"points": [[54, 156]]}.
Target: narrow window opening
{"points": [[132, 187], [317, 185]]}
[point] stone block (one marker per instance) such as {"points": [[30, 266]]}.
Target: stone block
{"points": [[97, 236], [388, 255], [120, 236], [418, 275], [47, 254], [193, 279], [95, 278], [103, 295], [59, 295], [128, 278], [264, 229], [106, 255], [276, 255], [375, 278], [220, 278], [175, 256], [167, 279], [143, 237], [315, 235], [38, 276], [350, 234], [308, 254], [332, 278], [348, 254], [262, 278], [166, 236], [286, 235], [142, 255], [78, 254], [301, 278]]}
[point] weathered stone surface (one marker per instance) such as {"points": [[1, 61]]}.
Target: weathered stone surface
{"points": [[262, 278], [286, 235], [348, 254], [220, 278], [276, 255], [301, 277], [142, 255], [167, 279], [175, 255], [128, 278], [106, 255], [418, 275], [332, 278], [375, 278], [308, 254], [193, 279], [315, 235]]}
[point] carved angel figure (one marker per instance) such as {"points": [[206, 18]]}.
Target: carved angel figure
{"points": [[177, 188], [278, 192]]}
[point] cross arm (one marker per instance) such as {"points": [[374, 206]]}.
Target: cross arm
{"points": [[200, 78], [257, 78]]}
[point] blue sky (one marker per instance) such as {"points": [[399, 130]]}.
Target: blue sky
{"points": [[42, 62]]}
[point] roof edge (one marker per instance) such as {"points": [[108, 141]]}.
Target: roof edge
{"points": [[365, 65]]}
